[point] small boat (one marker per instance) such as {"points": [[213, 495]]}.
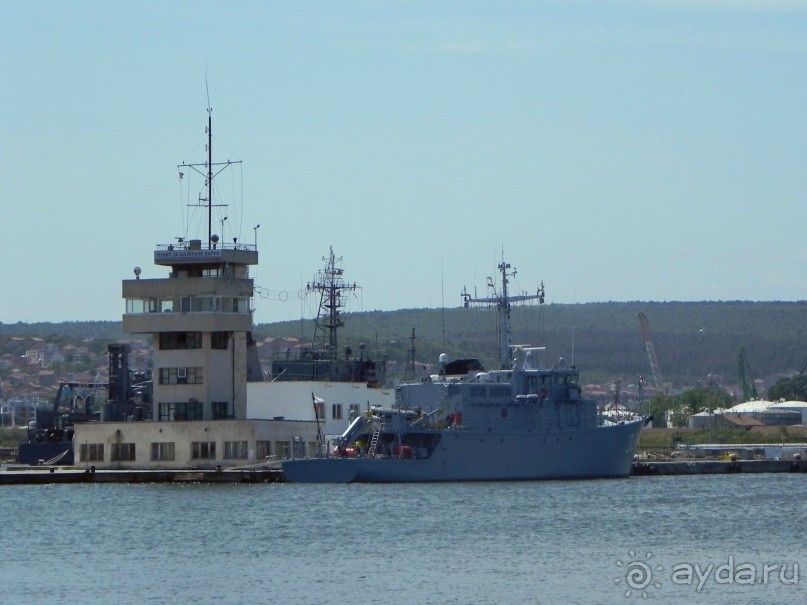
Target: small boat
{"points": [[525, 422]]}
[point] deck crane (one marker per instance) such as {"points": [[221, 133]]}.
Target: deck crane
{"points": [[651, 349]]}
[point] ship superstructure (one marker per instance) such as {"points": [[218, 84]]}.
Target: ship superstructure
{"points": [[323, 382], [524, 421]]}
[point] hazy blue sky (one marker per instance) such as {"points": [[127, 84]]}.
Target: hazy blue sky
{"points": [[634, 150]]}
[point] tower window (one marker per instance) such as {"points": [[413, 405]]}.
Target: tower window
{"points": [[180, 340], [219, 340]]}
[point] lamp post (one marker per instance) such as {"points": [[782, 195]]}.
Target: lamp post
{"points": [[255, 228]]}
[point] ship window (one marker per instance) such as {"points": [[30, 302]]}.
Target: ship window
{"points": [[203, 450], [219, 340], [162, 451], [235, 449], [354, 410], [122, 451], [336, 411], [263, 449], [479, 392], [500, 391], [572, 415], [91, 452]]}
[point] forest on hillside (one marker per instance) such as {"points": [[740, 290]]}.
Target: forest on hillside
{"points": [[692, 339]]}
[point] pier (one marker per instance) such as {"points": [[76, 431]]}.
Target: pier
{"points": [[717, 467], [44, 475]]}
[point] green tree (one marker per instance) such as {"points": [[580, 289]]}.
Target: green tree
{"points": [[687, 403], [789, 389]]}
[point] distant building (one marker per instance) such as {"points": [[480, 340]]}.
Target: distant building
{"points": [[750, 414]]}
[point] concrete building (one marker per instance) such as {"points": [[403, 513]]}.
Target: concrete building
{"points": [[191, 444], [200, 321]]}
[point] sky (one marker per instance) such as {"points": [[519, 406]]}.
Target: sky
{"points": [[615, 150]]}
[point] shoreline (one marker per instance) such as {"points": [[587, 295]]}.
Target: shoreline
{"points": [[50, 475]]}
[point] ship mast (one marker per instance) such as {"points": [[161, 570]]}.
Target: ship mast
{"points": [[503, 300], [330, 283]]}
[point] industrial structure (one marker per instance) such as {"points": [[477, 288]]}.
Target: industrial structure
{"points": [[651, 349]]}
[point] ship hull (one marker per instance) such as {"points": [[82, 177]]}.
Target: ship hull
{"points": [[465, 455]]}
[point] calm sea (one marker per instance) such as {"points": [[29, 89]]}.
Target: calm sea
{"points": [[704, 539]]}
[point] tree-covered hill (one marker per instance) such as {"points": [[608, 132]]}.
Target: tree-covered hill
{"points": [[692, 339]]}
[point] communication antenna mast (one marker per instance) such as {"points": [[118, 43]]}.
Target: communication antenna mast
{"points": [[651, 349], [502, 301], [209, 171], [331, 285]]}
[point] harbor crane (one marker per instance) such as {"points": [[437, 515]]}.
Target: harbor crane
{"points": [[750, 392], [651, 349]]}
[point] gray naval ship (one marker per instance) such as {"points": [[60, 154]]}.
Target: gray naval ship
{"points": [[522, 422]]}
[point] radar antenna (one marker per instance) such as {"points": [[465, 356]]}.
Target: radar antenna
{"points": [[502, 301]]}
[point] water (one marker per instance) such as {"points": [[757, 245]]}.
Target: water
{"points": [[554, 542]]}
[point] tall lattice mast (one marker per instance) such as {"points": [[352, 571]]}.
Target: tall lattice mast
{"points": [[330, 283], [409, 371]]}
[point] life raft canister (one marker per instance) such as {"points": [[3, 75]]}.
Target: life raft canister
{"points": [[403, 451]]}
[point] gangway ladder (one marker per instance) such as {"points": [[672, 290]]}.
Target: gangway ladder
{"points": [[373, 443]]}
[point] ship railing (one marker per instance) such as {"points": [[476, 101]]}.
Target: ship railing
{"points": [[423, 419]]}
